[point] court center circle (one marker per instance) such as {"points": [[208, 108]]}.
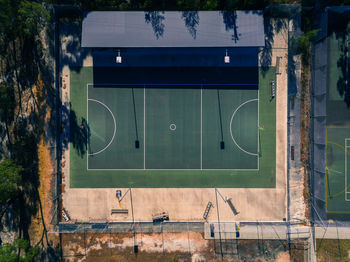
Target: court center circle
{"points": [[172, 127]]}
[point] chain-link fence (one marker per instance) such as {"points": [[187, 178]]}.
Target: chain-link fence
{"points": [[318, 129], [130, 227], [326, 98]]}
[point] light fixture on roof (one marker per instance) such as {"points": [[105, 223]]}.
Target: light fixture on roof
{"points": [[227, 58], [118, 58]]}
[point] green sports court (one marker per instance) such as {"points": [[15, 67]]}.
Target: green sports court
{"points": [[176, 128], [179, 130], [169, 104], [338, 169]]}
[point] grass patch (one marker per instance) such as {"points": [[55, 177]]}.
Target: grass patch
{"points": [[333, 250]]}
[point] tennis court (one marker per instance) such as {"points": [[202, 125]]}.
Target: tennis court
{"points": [[180, 127], [337, 171], [338, 126], [172, 135]]}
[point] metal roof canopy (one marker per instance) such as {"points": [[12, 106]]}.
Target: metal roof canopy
{"points": [[173, 29]]}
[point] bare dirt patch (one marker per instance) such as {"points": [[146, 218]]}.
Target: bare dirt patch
{"points": [[169, 246], [41, 221]]}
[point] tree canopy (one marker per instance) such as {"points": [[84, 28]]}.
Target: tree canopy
{"points": [[9, 179], [21, 17], [9, 252]]}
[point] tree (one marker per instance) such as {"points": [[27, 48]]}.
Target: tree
{"points": [[9, 179], [304, 44], [19, 18], [19, 250], [32, 17], [20, 23]]}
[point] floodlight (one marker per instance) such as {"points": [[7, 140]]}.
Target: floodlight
{"points": [[118, 58], [227, 58]]}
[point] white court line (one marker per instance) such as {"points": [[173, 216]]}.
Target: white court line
{"points": [[346, 171], [144, 128], [162, 84], [258, 129], [87, 119], [170, 169], [114, 131], [346, 174], [335, 171], [346, 142], [201, 167], [233, 115], [201, 127]]}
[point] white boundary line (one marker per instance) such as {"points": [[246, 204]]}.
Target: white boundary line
{"points": [[160, 84], [335, 171], [346, 174], [201, 164], [144, 128], [87, 120], [155, 169], [144, 137], [259, 129], [346, 170], [346, 142], [233, 115]]}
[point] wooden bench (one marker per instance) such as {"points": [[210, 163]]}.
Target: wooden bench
{"points": [[119, 211]]}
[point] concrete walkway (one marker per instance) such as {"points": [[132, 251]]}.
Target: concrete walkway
{"points": [[277, 231], [248, 230]]}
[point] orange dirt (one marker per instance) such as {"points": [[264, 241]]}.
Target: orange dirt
{"points": [[45, 169]]}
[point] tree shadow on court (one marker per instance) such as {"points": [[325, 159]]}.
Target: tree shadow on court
{"points": [[79, 134], [343, 85], [259, 145], [156, 19], [191, 19], [339, 25]]}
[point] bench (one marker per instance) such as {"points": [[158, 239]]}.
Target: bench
{"points": [[273, 88], [119, 211], [206, 212], [232, 207], [160, 217], [65, 215]]}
